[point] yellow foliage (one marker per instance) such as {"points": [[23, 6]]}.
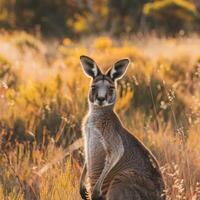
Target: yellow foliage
{"points": [[80, 24], [23, 40], [104, 11], [123, 103], [181, 9], [103, 43], [67, 42], [29, 92], [162, 4]]}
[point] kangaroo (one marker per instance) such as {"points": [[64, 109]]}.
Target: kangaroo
{"points": [[118, 165]]}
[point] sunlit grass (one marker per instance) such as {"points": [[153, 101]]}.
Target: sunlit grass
{"points": [[43, 99]]}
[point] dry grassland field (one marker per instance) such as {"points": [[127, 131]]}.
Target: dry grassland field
{"points": [[43, 99]]}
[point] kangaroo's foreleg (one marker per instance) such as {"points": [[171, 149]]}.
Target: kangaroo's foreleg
{"points": [[115, 151], [83, 190]]}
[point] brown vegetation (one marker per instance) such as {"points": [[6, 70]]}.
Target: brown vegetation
{"points": [[43, 98]]}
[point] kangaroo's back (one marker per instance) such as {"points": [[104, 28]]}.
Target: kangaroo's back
{"points": [[143, 163]]}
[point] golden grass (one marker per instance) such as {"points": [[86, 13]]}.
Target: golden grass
{"points": [[43, 98]]}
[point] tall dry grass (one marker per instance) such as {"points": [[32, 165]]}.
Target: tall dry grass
{"points": [[43, 98]]}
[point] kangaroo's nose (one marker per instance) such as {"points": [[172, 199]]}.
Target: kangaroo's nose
{"points": [[101, 99]]}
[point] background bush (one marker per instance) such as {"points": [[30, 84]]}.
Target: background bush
{"points": [[58, 18]]}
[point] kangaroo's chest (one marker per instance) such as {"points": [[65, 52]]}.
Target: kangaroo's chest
{"points": [[95, 152]]}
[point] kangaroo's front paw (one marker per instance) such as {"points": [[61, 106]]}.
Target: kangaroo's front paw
{"points": [[84, 193], [96, 195]]}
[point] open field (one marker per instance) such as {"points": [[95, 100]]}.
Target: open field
{"points": [[43, 98]]}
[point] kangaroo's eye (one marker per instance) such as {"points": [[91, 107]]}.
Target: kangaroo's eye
{"points": [[111, 89], [93, 88]]}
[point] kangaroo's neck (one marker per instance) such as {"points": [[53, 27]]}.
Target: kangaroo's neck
{"points": [[102, 115], [101, 112]]}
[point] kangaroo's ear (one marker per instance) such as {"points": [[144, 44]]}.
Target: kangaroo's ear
{"points": [[89, 66], [118, 69]]}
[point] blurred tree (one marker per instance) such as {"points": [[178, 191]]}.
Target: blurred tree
{"points": [[92, 18], [76, 17], [125, 15], [7, 13], [50, 15], [171, 15], [197, 3]]}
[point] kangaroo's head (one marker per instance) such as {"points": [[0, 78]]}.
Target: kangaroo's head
{"points": [[103, 86]]}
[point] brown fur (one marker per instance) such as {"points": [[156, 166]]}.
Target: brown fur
{"points": [[118, 165]]}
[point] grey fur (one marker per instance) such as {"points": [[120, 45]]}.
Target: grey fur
{"points": [[118, 165]]}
